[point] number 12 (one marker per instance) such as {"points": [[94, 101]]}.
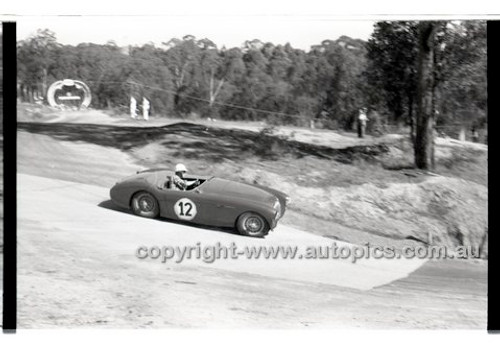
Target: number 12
{"points": [[188, 205]]}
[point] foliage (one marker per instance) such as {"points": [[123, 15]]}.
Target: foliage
{"points": [[262, 81], [392, 68], [460, 70], [463, 89]]}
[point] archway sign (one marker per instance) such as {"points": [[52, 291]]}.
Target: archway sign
{"points": [[69, 94]]}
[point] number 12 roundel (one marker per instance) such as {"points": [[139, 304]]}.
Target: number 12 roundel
{"points": [[185, 209]]}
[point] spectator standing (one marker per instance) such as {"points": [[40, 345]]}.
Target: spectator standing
{"points": [[362, 119], [145, 108], [475, 135], [133, 107]]}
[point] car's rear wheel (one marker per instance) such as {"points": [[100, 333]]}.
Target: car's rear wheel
{"points": [[252, 224], [145, 204]]}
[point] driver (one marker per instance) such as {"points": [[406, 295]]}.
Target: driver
{"points": [[178, 179]]}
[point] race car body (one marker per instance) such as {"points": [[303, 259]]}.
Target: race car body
{"points": [[208, 200]]}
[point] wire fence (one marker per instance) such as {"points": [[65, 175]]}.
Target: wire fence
{"points": [[460, 131]]}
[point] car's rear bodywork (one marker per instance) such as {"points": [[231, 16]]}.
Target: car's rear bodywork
{"points": [[216, 201]]}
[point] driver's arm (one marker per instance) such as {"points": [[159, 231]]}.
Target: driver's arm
{"points": [[179, 183], [193, 184]]}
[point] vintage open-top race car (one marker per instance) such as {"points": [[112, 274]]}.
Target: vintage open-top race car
{"points": [[252, 209]]}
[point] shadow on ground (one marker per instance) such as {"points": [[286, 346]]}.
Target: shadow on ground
{"points": [[195, 141], [108, 204]]}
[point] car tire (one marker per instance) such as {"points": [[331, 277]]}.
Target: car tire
{"points": [[252, 224], [145, 204]]}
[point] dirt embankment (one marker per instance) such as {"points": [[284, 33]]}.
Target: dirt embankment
{"points": [[367, 191], [438, 211], [440, 295], [358, 200]]}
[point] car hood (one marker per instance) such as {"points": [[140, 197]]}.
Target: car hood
{"points": [[238, 190]]}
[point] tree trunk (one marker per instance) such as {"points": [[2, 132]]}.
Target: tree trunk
{"points": [[411, 118], [21, 93], [424, 137], [44, 84], [31, 98], [214, 91]]}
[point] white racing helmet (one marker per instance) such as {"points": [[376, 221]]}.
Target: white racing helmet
{"points": [[180, 168]]}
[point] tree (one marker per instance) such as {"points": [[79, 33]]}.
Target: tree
{"points": [[153, 79], [462, 73], [225, 79], [211, 69], [459, 70], [35, 56], [182, 57], [253, 87], [392, 68], [424, 138], [334, 76]]}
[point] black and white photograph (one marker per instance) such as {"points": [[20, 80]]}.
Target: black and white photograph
{"points": [[252, 172]]}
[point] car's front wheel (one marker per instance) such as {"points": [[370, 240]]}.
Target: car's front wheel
{"points": [[252, 224], [145, 204]]}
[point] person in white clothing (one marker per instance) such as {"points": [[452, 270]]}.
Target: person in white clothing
{"points": [[362, 119], [145, 108], [133, 107]]}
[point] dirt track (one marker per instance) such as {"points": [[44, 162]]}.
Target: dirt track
{"points": [[71, 276]]}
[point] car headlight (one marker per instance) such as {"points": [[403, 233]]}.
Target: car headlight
{"points": [[277, 208]]}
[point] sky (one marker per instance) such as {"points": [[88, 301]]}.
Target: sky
{"points": [[228, 23], [230, 31]]}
